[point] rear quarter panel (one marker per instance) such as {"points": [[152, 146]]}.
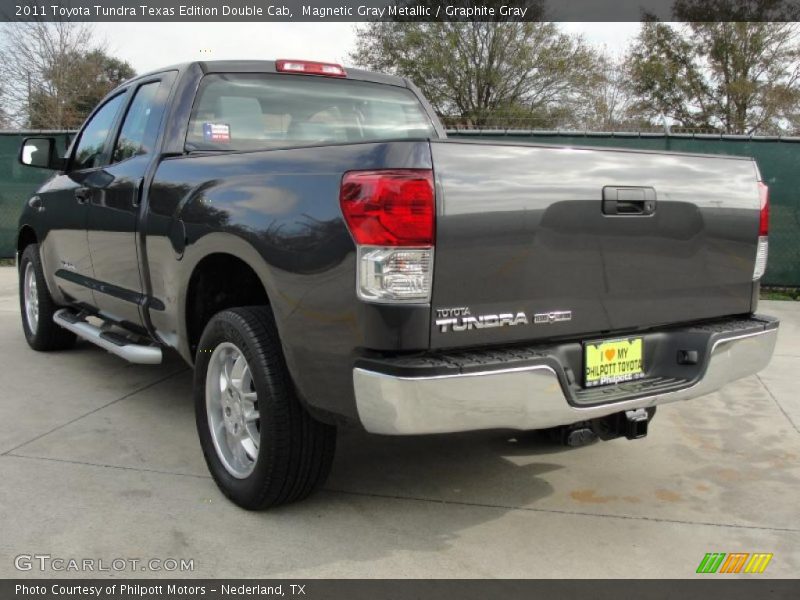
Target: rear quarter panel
{"points": [[279, 212]]}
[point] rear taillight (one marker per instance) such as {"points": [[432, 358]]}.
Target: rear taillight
{"points": [[391, 216], [763, 194], [763, 230], [389, 208], [307, 67]]}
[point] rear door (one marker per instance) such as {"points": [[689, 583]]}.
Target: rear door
{"points": [[584, 242], [115, 201]]}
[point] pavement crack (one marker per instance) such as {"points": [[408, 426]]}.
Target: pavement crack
{"points": [[778, 404], [105, 466], [557, 511], [94, 410]]}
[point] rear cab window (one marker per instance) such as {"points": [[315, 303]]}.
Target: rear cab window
{"points": [[264, 111]]}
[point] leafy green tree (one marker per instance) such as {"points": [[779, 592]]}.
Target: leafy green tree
{"points": [[480, 71], [734, 77], [100, 73], [88, 78]]}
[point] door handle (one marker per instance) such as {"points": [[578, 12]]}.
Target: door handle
{"points": [[630, 207], [83, 195], [137, 193], [36, 204], [629, 200]]}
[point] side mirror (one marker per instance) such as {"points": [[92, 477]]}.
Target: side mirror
{"points": [[40, 152]]}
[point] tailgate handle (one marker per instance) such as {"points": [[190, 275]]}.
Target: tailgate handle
{"points": [[629, 201]]}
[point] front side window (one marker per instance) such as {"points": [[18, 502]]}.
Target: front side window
{"points": [[93, 137], [140, 127], [261, 111]]}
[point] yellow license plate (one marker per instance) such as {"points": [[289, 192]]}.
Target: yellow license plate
{"points": [[613, 361]]}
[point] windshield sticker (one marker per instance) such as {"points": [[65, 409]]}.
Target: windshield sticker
{"points": [[216, 132]]}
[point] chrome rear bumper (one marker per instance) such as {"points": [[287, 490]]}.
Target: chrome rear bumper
{"points": [[530, 397]]}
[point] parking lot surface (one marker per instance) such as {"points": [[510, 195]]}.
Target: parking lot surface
{"points": [[99, 459]]}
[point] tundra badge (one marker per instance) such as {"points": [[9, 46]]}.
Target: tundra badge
{"points": [[461, 319]]}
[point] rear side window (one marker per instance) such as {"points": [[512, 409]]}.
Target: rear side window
{"points": [[260, 111], [140, 127]]}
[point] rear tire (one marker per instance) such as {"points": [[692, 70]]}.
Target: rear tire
{"points": [[37, 306], [261, 446]]}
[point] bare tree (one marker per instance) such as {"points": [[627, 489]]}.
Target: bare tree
{"points": [[55, 72], [36, 56], [4, 120], [609, 99]]}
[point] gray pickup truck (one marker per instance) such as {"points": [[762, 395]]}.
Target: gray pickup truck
{"points": [[308, 239]]}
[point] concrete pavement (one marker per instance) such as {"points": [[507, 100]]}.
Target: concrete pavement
{"points": [[99, 459]]}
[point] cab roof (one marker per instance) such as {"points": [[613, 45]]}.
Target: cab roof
{"points": [[268, 66]]}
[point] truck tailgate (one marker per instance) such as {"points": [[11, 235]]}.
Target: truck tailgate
{"points": [[525, 229]]}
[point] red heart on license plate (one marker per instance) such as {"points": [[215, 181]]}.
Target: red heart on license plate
{"points": [[610, 353]]}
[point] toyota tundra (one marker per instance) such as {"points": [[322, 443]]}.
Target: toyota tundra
{"points": [[309, 240]]}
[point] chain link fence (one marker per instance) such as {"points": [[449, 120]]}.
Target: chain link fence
{"points": [[777, 157]]}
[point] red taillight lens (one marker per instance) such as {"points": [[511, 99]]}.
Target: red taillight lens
{"points": [[763, 193], [389, 208], [308, 67]]}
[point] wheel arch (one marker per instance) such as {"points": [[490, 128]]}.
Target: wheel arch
{"points": [[25, 237], [219, 280], [180, 324]]}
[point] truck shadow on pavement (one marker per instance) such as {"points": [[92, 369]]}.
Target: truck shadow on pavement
{"points": [[418, 494], [488, 468]]}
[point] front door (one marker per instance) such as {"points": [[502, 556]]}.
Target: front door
{"points": [[65, 199]]}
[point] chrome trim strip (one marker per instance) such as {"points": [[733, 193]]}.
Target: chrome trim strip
{"points": [[526, 397]]}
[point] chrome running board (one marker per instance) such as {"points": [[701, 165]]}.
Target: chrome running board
{"points": [[143, 354]]}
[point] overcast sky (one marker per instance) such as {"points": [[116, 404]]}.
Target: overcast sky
{"points": [[150, 46]]}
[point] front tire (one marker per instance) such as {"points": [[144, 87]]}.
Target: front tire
{"points": [[261, 446], [37, 306]]}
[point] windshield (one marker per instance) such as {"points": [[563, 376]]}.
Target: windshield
{"points": [[261, 111]]}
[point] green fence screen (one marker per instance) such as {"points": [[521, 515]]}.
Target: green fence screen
{"points": [[778, 159], [17, 183]]}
